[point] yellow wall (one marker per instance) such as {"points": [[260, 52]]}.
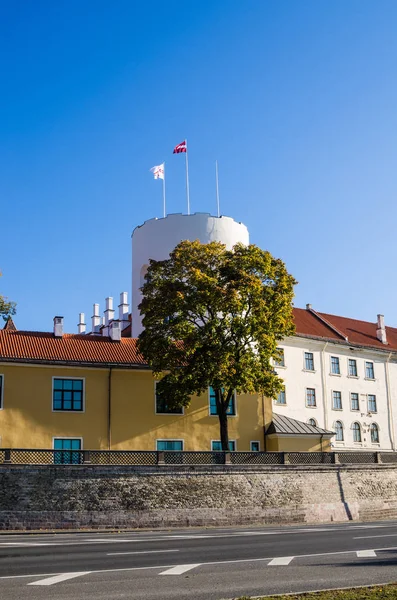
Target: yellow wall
{"points": [[297, 444], [27, 419]]}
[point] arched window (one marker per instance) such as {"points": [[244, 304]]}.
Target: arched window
{"points": [[374, 433], [356, 432], [312, 422], [339, 431]]}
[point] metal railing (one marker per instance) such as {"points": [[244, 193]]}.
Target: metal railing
{"points": [[11, 456]]}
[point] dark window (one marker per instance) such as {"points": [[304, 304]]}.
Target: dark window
{"points": [[374, 433], [339, 431], [255, 447], [231, 409], [309, 361], [310, 397], [369, 370], [352, 367], [216, 446], [163, 408], [335, 367], [171, 445], [371, 403], [356, 432], [354, 401], [280, 361], [67, 451], [312, 422], [67, 394], [337, 400], [281, 399]]}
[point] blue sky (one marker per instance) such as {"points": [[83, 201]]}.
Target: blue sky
{"points": [[296, 99]]}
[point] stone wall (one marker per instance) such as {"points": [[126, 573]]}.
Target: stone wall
{"points": [[34, 497]]}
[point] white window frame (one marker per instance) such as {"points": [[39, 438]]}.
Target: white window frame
{"points": [[361, 433], [313, 370], [355, 410], [330, 367], [343, 431], [373, 412], [170, 440], [373, 370], [255, 442], [341, 401], [2, 391], [235, 446], [312, 419], [370, 434], [280, 366], [216, 416], [348, 369], [281, 403], [168, 414], [315, 398], [70, 412]]}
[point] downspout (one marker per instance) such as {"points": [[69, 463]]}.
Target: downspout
{"points": [[324, 385], [264, 424], [389, 404], [110, 409]]}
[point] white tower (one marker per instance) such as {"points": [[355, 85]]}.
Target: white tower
{"points": [[156, 238]]}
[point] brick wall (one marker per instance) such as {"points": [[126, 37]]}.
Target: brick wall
{"points": [[34, 497]]}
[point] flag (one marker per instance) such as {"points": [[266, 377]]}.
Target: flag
{"points": [[158, 171], [182, 147]]}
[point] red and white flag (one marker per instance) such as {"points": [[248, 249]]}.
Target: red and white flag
{"points": [[182, 147], [158, 171]]}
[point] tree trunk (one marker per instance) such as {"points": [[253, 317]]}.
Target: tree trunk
{"points": [[223, 422]]}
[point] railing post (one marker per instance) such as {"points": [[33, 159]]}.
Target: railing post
{"points": [[378, 457], [286, 458], [227, 458], [7, 457], [335, 458], [160, 457], [86, 457]]}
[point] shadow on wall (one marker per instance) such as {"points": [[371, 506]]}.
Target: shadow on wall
{"points": [[342, 496]]}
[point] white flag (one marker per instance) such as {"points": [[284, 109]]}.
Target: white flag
{"points": [[158, 171]]}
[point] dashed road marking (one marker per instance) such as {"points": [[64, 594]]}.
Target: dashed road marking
{"points": [[59, 578], [282, 560], [179, 569], [141, 552], [366, 553]]}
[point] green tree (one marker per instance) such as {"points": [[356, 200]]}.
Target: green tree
{"points": [[213, 317], [7, 308]]}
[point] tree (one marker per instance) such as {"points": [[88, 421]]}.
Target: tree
{"points": [[7, 308], [214, 317]]}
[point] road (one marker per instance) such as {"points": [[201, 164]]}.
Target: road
{"points": [[196, 564]]}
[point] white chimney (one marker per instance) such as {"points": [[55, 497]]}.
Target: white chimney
{"points": [[308, 307], [81, 326], [123, 310], [109, 312], [115, 331], [58, 327], [96, 319], [381, 330]]}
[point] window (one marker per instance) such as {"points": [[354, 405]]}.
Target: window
{"points": [[335, 366], [67, 394], [170, 445], [231, 409], [67, 451], [354, 404], [280, 361], [281, 399], [356, 432], [255, 446], [312, 422], [310, 397], [369, 370], [339, 431], [352, 365], [371, 403], [337, 400], [374, 433], [309, 361], [217, 447], [162, 407], [1, 391]]}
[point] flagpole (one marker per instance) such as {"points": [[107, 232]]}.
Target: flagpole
{"points": [[164, 213], [187, 181], [217, 187]]}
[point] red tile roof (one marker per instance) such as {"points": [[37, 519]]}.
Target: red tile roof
{"points": [[74, 349]]}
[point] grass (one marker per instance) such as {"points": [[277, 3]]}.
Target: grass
{"points": [[378, 592]]}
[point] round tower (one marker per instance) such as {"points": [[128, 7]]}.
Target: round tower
{"points": [[156, 238]]}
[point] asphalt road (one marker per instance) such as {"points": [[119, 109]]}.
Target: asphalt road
{"points": [[199, 564]]}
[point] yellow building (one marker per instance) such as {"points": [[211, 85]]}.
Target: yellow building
{"points": [[69, 391]]}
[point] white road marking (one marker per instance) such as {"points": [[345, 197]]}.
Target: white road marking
{"points": [[25, 544], [179, 569], [366, 553], [140, 552], [282, 560], [59, 578], [369, 537]]}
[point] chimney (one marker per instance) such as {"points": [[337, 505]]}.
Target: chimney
{"points": [[308, 307], [115, 331], [58, 327], [81, 326], [123, 310], [381, 330], [96, 319], [109, 315]]}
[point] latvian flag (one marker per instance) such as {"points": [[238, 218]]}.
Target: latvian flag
{"points": [[182, 147]]}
